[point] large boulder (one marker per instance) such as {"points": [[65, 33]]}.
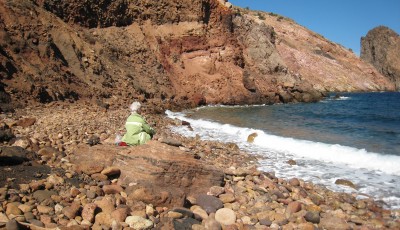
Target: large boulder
{"points": [[154, 173], [381, 48], [14, 155], [169, 172]]}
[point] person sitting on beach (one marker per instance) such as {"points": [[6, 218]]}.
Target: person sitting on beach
{"points": [[137, 130]]}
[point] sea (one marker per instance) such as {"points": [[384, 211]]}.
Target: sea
{"points": [[351, 136]]}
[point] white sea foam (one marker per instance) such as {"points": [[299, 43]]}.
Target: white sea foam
{"points": [[331, 153], [373, 173]]}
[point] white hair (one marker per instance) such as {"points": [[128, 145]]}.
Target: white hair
{"points": [[135, 106]]}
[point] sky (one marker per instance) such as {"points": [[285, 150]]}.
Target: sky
{"points": [[340, 21]]}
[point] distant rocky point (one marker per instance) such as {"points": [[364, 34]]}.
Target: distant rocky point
{"points": [[381, 48]]}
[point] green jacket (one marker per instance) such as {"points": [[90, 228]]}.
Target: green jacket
{"points": [[137, 130]]}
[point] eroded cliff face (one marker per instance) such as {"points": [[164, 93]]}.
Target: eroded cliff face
{"points": [[381, 48], [175, 53], [323, 64]]}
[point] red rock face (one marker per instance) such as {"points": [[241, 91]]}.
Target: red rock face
{"points": [[182, 53]]}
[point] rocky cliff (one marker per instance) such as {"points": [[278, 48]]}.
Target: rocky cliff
{"points": [[381, 48], [174, 53]]}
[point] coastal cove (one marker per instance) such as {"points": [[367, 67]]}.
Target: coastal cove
{"points": [[246, 135], [354, 137]]}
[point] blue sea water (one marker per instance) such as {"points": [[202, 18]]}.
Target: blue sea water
{"points": [[355, 136]]}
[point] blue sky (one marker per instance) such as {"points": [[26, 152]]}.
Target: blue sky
{"points": [[341, 21]]}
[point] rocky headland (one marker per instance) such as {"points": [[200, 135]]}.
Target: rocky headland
{"points": [[381, 48], [68, 70]]}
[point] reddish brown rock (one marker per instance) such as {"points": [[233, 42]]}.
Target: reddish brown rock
{"points": [[99, 177], [293, 207], [294, 182], [111, 171], [166, 170], [71, 211], [106, 204], [120, 214], [333, 222], [88, 212], [112, 189], [26, 122]]}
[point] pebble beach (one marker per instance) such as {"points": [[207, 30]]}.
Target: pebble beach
{"points": [[47, 187]]}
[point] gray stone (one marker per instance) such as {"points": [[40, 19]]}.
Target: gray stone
{"points": [[36, 223], [13, 225], [42, 195], [209, 203], [28, 216], [265, 222]]}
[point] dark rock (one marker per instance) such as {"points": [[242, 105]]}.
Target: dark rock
{"points": [[5, 132], [185, 123], [14, 225], [14, 155], [312, 217], [93, 140], [102, 104], [209, 203], [36, 223], [185, 223]]}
